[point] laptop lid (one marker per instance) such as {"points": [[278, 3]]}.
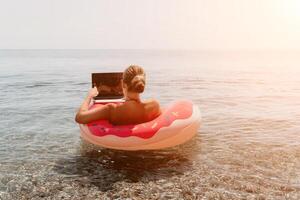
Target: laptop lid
{"points": [[109, 85]]}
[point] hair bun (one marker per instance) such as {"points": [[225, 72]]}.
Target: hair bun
{"points": [[139, 86], [134, 78]]}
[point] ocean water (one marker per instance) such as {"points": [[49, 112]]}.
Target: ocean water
{"points": [[248, 146]]}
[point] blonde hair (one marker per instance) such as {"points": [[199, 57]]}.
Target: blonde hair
{"points": [[134, 77]]}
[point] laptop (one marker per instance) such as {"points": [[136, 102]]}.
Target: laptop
{"points": [[109, 86]]}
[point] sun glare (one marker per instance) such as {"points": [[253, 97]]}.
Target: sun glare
{"points": [[291, 9]]}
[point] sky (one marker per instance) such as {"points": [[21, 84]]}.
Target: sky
{"points": [[150, 24]]}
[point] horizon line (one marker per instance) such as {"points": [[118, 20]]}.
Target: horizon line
{"points": [[162, 49]]}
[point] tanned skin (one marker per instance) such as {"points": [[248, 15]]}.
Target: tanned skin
{"points": [[132, 111]]}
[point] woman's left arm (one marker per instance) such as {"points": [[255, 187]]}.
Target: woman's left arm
{"points": [[85, 116]]}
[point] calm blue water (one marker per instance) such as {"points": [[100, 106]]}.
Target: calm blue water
{"points": [[248, 145]]}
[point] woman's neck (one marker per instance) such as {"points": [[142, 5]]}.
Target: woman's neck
{"points": [[132, 96]]}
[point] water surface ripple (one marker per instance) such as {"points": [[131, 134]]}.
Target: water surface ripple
{"points": [[247, 148]]}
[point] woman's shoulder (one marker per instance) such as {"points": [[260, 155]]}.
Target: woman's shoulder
{"points": [[153, 106], [152, 102]]}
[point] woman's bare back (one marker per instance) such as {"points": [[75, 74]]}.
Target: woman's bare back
{"points": [[133, 112]]}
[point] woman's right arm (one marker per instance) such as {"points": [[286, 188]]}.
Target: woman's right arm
{"points": [[85, 116]]}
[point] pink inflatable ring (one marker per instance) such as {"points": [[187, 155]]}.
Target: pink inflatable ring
{"points": [[178, 123]]}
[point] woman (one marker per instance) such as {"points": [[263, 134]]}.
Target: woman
{"points": [[132, 111]]}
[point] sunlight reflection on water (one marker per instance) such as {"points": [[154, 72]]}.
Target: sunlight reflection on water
{"points": [[248, 145]]}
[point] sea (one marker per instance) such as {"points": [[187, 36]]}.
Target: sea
{"points": [[248, 145]]}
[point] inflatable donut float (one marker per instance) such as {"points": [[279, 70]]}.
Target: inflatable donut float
{"points": [[178, 123]]}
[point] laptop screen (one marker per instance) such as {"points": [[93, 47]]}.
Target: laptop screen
{"points": [[108, 84]]}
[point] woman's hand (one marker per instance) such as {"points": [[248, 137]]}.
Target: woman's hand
{"points": [[93, 92]]}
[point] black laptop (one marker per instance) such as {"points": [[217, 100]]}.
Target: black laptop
{"points": [[109, 86]]}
